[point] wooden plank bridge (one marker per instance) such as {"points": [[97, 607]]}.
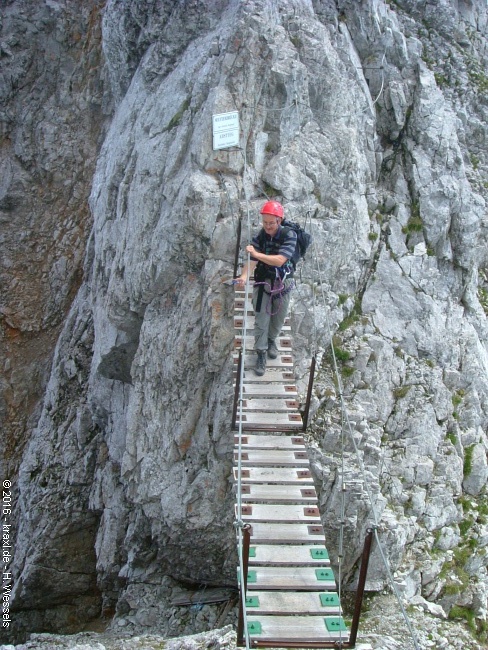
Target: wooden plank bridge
{"points": [[291, 594]]}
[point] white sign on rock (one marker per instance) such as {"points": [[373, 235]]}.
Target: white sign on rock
{"points": [[225, 130]]}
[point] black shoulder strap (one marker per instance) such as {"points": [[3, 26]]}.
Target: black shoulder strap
{"points": [[283, 233], [262, 236]]}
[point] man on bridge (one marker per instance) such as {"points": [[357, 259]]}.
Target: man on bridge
{"points": [[270, 253]]}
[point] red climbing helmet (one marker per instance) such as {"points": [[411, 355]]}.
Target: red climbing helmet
{"points": [[273, 207]]}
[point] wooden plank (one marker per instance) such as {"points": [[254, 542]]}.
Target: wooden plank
{"points": [[239, 323], [270, 421], [302, 629], [278, 493], [256, 425], [280, 475], [282, 362], [290, 578], [288, 554], [271, 533], [283, 343], [240, 292], [270, 375], [252, 441], [291, 602], [269, 390], [239, 306], [268, 457], [286, 513], [270, 405]]}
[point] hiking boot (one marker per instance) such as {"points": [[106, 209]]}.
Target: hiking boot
{"points": [[260, 363], [272, 349]]}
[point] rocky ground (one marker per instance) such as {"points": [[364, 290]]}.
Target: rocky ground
{"points": [[382, 627]]}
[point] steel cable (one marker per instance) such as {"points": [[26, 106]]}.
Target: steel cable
{"points": [[346, 425]]}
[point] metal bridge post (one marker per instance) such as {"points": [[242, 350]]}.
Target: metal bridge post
{"points": [[238, 246], [309, 393], [237, 391], [361, 584], [246, 534]]}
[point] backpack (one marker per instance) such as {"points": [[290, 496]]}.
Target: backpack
{"points": [[304, 239]]}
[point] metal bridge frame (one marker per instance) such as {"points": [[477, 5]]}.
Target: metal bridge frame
{"points": [[255, 643], [246, 530], [237, 389]]}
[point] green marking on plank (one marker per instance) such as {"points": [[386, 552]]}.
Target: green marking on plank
{"points": [[324, 574], [252, 601], [254, 627], [335, 624], [251, 576], [252, 551], [319, 553], [329, 600]]}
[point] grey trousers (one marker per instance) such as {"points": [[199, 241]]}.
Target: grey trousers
{"points": [[267, 323]]}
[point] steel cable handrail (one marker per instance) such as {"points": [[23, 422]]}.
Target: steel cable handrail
{"points": [[239, 522], [346, 424]]}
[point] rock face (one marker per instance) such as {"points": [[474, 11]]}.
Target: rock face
{"points": [[52, 111], [368, 120]]}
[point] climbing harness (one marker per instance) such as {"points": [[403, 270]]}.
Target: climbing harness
{"points": [[277, 290]]}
